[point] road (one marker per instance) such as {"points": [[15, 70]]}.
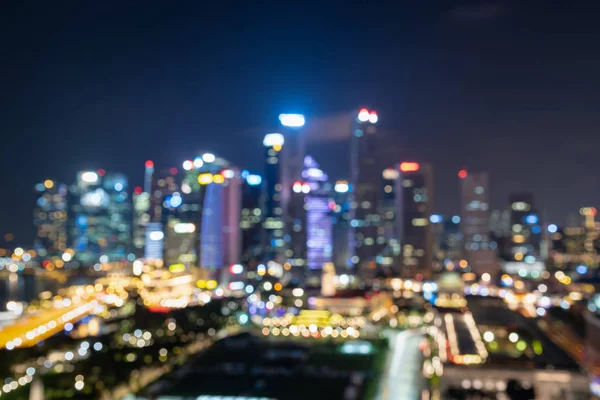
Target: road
{"points": [[402, 378]]}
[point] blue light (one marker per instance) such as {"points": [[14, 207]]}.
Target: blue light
{"points": [[531, 219], [245, 173], [536, 229], [118, 186], [175, 201], [581, 269], [456, 219], [435, 218], [254, 180], [552, 228], [243, 318]]}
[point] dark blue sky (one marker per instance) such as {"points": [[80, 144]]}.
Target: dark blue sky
{"points": [[509, 87]]}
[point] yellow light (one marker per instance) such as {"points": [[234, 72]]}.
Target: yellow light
{"points": [[518, 238], [177, 268], [278, 287], [518, 256], [205, 179], [201, 284], [277, 147], [48, 184], [218, 178], [211, 284]]}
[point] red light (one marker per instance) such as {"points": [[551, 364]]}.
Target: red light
{"points": [[137, 190], [332, 205], [409, 166], [101, 172], [593, 211], [173, 171], [462, 174], [149, 164]]}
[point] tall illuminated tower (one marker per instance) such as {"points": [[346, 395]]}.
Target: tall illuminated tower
{"points": [[273, 223], [414, 206], [50, 218], [365, 193], [479, 249]]}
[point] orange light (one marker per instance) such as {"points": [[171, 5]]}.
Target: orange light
{"points": [[462, 174], [409, 166], [278, 286], [463, 263], [363, 110]]}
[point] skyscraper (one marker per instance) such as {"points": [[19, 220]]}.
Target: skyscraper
{"points": [[273, 223], [525, 235], [414, 205], [100, 217], [318, 216], [365, 173], [480, 250], [251, 219], [342, 232], [50, 218], [387, 238]]}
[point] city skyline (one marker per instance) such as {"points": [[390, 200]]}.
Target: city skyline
{"points": [[101, 102]]}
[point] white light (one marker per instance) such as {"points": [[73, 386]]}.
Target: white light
{"points": [[306, 188], [228, 173], [198, 163], [390, 174], [486, 277], [292, 120], [89, 177], [157, 235], [138, 265], [298, 292], [79, 385], [268, 285], [341, 187], [184, 228], [66, 257], [513, 337], [207, 157], [237, 269], [363, 115], [187, 165], [273, 139], [552, 228], [373, 118], [236, 285], [488, 336]]}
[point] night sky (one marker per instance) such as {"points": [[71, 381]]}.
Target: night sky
{"points": [[507, 87]]}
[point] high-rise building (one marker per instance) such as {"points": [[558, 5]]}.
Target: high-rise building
{"points": [[365, 172], [414, 208], [319, 245], [50, 218], [480, 250], [251, 220], [202, 220], [100, 217], [448, 241], [387, 234], [525, 236], [342, 232], [273, 222]]}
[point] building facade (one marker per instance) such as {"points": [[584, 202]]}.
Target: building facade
{"points": [[50, 218], [414, 208]]}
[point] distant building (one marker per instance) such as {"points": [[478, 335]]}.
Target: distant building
{"points": [[448, 247], [523, 253], [251, 220], [50, 218], [100, 217], [479, 249], [342, 233], [414, 207], [365, 169], [273, 223], [387, 240]]}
